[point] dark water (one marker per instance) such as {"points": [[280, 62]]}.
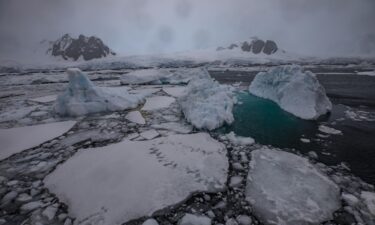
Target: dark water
{"points": [[268, 124]]}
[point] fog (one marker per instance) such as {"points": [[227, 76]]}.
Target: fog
{"points": [[310, 27]]}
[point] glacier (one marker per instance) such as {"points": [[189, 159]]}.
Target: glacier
{"points": [[206, 104], [294, 90], [82, 97], [285, 189]]}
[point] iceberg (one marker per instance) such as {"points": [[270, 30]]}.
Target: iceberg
{"points": [[82, 97], [295, 91], [207, 104], [285, 189]]}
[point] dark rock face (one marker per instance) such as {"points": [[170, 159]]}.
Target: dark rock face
{"points": [[270, 47], [87, 47], [255, 46]]}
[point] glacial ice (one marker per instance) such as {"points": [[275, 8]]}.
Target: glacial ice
{"points": [[207, 104], [142, 176], [83, 97], [295, 91], [285, 189]]}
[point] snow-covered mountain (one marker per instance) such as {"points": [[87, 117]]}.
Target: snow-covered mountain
{"points": [[255, 46], [84, 47]]}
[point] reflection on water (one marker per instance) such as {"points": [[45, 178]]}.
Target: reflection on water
{"points": [[268, 124]]}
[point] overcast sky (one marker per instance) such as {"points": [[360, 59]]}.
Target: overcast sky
{"points": [[312, 27]]}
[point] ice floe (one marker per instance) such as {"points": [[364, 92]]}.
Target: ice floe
{"points": [[142, 176], [83, 97], [329, 130], [294, 90], [15, 140], [135, 117], [45, 99], [285, 189], [157, 102]]}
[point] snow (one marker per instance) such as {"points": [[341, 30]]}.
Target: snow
{"points": [[157, 102], [295, 91], [190, 219], [175, 91], [142, 176], [285, 189], [207, 104], [135, 117], [82, 97], [238, 140], [146, 76], [17, 139], [329, 130], [367, 73], [45, 99]]}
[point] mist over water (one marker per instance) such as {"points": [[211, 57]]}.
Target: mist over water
{"points": [[319, 27]]}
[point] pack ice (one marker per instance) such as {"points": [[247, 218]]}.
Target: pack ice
{"points": [[82, 97], [295, 91], [206, 104], [285, 189], [128, 180]]}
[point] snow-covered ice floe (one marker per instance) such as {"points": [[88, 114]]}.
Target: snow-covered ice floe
{"points": [[207, 104], [285, 189], [17, 139], [295, 91], [82, 97], [132, 179], [135, 117]]}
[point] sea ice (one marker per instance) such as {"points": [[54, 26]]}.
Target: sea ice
{"points": [[135, 117], [82, 97], [157, 102], [132, 179], [147, 76], [285, 189], [15, 140], [295, 91], [190, 219], [207, 104], [175, 91], [238, 140], [45, 99], [329, 130]]}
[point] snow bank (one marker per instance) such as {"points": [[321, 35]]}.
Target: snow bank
{"points": [[82, 97], [17, 139], [207, 104], [286, 189], [295, 91], [142, 176]]}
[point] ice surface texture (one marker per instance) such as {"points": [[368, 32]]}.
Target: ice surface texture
{"points": [[131, 179], [207, 104], [83, 97], [295, 91], [285, 189]]}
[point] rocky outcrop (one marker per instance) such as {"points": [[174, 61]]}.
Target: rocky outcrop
{"points": [[255, 46], [84, 47]]}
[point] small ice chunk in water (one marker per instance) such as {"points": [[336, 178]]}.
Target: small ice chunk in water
{"points": [[238, 140], [190, 219], [329, 130]]}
